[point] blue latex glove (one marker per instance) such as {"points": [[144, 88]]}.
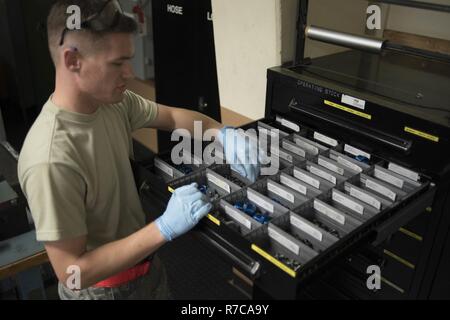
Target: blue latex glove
{"points": [[242, 155], [184, 210]]}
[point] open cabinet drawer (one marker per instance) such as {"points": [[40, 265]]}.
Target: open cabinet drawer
{"points": [[326, 200]]}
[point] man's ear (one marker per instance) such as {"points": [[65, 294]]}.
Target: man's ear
{"points": [[72, 59]]}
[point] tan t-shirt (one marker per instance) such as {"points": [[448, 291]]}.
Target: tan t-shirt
{"points": [[75, 172]]}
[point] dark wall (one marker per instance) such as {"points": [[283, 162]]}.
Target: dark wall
{"points": [[26, 69]]}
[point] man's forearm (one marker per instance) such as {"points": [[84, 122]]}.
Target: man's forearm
{"points": [[175, 118], [187, 119], [119, 255]]}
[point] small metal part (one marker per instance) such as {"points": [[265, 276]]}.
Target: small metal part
{"points": [[251, 210], [304, 241], [209, 192], [326, 228], [235, 180], [363, 159]]}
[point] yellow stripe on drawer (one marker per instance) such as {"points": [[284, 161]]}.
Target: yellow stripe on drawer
{"points": [[422, 134], [349, 110], [411, 234], [283, 267], [213, 219], [396, 287], [170, 189], [399, 259]]}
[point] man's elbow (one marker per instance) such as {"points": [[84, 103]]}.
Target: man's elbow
{"points": [[73, 278]]}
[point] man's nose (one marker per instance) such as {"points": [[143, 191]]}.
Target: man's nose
{"points": [[128, 71]]}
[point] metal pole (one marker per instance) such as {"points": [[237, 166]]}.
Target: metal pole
{"points": [[344, 39]]}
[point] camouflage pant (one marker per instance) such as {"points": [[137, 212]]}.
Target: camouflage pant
{"points": [[152, 286]]}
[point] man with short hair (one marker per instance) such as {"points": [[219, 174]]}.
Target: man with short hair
{"points": [[74, 166]]}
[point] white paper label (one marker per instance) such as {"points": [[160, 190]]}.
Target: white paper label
{"points": [[404, 172], [305, 145], [290, 125], [294, 149], [347, 202], [305, 178], [320, 137], [355, 151], [295, 248], [306, 228], [322, 174], [281, 154], [329, 212], [352, 101], [380, 189], [220, 183], [292, 184], [238, 217], [165, 168], [259, 201], [364, 197], [330, 166], [349, 164], [282, 193], [388, 178]]}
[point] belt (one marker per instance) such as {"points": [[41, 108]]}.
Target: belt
{"points": [[126, 276]]}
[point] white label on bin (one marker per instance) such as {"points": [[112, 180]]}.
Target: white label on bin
{"points": [[347, 202], [403, 171], [349, 164], [238, 217], [355, 151], [329, 212], [330, 166], [286, 156], [364, 197], [281, 154], [220, 183], [311, 148], [388, 178], [292, 184], [305, 178], [290, 125], [294, 149], [306, 228], [285, 242], [373, 185], [259, 201], [164, 167], [352, 101], [322, 174], [320, 137], [282, 193]]}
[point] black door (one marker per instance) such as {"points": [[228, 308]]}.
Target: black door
{"points": [[185, 63]]}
